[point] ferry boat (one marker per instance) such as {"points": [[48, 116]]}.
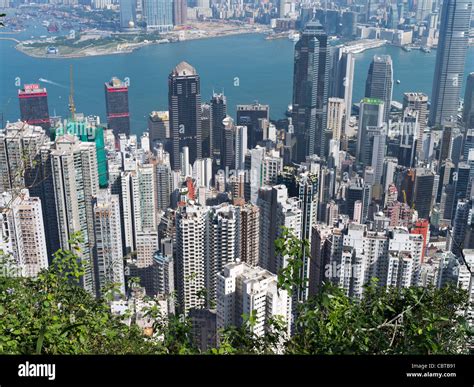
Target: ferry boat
{"points": [[398, 81], [406, 48], [425, 49]]}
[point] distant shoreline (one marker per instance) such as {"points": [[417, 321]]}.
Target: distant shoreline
{"points": [[128, 50]]}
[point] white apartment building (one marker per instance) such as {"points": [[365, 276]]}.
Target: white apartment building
{"points": [[243, 289], [22, 236]]}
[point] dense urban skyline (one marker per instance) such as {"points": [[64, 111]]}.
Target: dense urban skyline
{"points": [[196, 206]]}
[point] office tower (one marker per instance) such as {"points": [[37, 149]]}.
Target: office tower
{"points": [[159, 128], [371, 115], [450, 60], [116, 104], [127, 13], [349, 24], [184, 101], [108, 238], [22, 233], [423, 9], [418, 102], [180, 12], [249, 234], [191, 233], [218, 113], [251, 116], [468, 107], [224, 245], [158, 14], [377, 143], [206, 131], [76, 182], [336, 117], [417, 186], [240, 146], [468, 144], [460, 224], [34, 106], [310, 91], [462, 180], [243, 289], [343, 81], [379, 82], [228, 156]]}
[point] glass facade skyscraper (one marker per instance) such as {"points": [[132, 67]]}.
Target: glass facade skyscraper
{"points": [[450, 60], [310, 91]]}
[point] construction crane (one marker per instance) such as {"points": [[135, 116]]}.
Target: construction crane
{"points": [[72, 106]]}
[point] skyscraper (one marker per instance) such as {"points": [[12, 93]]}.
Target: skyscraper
{"points": [[22, 233], [34, 106], [379, 82], [127, 13], [336, 117], [116, 103], [251, 116], [218, 113], [180, 12], [243, 289], [184, 101], [370, 116], [76, 182], [191, 234], [450, 60], [468, 110], [418, 102], [158, 14], [343, 82], [108, 238], [310, 91]]}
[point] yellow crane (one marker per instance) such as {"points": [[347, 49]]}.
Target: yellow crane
{"points": [[72, 106]]}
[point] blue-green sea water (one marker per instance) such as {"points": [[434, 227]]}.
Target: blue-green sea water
{"points": [[246, 67]]}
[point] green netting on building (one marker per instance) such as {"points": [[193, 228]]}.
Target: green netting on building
{"points": [[87, 133]]}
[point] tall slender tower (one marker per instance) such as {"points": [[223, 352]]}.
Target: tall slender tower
{"points": [[310, 91], [116, 103], [450, 60], [184, 101], [379, 82], [218, 113], [34, 106], [468, 112]]}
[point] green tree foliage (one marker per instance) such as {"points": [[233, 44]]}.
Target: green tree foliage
{"points": [[52, 315]]}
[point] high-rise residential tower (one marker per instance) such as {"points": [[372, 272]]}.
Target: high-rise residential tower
{"points": [[450, 60], [184, 101]]}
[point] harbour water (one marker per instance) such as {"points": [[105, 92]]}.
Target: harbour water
{"points": [[246, 67]]}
